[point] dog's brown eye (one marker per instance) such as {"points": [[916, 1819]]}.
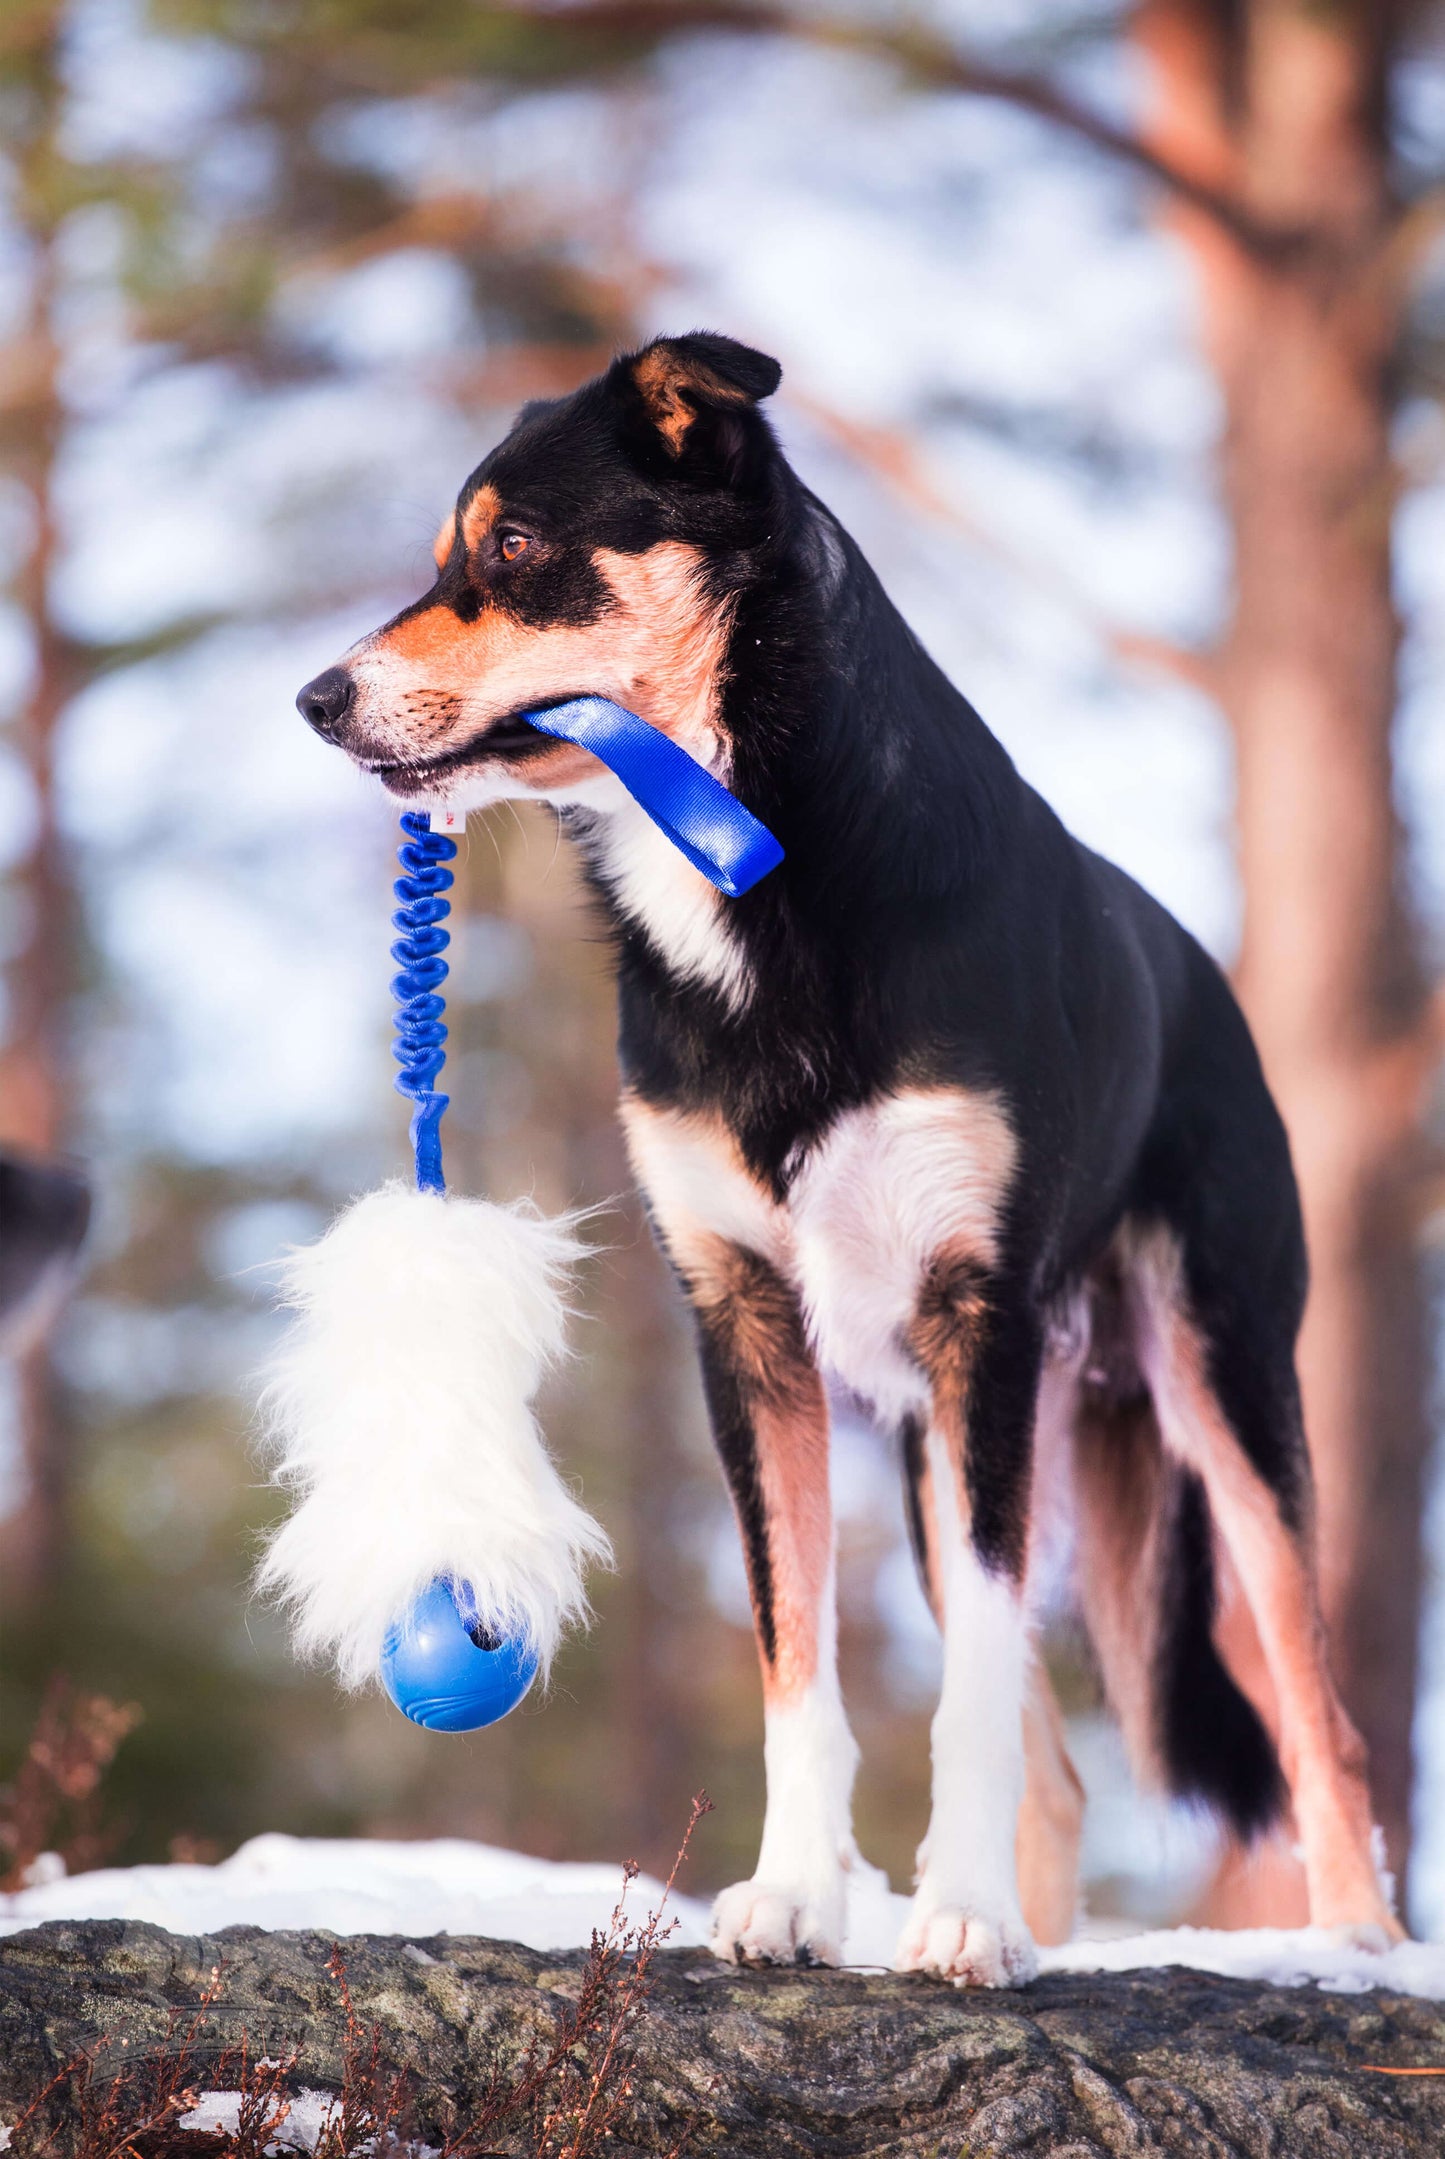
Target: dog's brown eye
{"points": [[513, 544]]}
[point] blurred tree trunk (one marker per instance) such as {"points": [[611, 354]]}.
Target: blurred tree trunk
{"points": [[1282, 103], [34, 1107]]}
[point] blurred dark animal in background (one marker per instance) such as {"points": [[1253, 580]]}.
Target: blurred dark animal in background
{"points": [[44, 1215]]}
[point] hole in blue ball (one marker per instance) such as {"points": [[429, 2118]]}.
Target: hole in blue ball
{"points": [[446, 1669]]}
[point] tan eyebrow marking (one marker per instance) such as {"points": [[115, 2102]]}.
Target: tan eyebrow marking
{"points": [[442, 544], [480, 515]]}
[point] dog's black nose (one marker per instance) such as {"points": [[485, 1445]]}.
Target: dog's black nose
{"points": [[325, 702]]}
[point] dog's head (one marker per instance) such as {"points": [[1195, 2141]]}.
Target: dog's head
{"points": [[598, 550]]}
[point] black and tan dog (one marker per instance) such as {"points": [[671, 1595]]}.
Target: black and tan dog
{"points": [[947, 1109]]}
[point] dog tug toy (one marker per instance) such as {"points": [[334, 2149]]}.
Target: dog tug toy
{"points": [[433, 1537]]}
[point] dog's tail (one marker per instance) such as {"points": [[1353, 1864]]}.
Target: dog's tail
{"points": [[1147, 1584]]}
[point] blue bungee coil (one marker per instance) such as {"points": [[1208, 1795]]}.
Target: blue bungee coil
{"points": [[421, 1036]]}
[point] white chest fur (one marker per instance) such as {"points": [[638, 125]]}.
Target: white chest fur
{"points": [[681, 915], [890, 1188]]}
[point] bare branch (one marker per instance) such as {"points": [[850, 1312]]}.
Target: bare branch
{"points": [[1193, 665], [930, 59], [895, 458]]}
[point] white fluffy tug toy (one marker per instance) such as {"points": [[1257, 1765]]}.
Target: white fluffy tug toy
{"points": [[433, 1540]]}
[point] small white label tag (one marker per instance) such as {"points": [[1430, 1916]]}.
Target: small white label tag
{"points": [[448, 819]]}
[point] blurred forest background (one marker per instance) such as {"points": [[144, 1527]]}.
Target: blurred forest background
{"points": [[1117, 335]]}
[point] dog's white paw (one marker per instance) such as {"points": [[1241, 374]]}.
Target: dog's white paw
{"points": [[1374, 1935], [970, 1949], [769, 1923]]}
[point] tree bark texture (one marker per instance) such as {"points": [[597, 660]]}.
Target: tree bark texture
{"points": [[1283, 104], [35, 1108]]}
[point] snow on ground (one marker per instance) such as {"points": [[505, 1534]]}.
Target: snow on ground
{"points": [[309, 2114], [450, 1886]]}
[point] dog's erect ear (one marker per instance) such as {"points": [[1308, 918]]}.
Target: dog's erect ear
{"points": [[681, 379], [693, 399]]}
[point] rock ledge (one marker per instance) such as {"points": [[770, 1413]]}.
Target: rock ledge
{"points": [[785, 2062]]}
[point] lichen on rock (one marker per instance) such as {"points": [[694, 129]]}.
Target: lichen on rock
{"points": [[776, 2063]]}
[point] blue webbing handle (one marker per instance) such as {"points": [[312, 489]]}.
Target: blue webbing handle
{"points": [[703, 821]]}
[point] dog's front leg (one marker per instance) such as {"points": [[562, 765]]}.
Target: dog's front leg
{"points": [[980, 1350], [770, 1420]]}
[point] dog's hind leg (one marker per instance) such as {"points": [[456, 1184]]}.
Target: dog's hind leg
{"points": [[1224, 1387], [770, 1421], [1051, 1817], [1147, 1584]]}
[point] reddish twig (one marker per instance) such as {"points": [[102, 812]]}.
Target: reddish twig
{"points": [[139, 2112], [54, 1803], [575, 2090]]}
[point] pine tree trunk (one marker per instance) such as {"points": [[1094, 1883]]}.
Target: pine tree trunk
{"points": [[1282, 101], [34, 1110]]}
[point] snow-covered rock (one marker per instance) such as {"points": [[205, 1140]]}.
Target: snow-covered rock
{"points": [[451, 1886]]}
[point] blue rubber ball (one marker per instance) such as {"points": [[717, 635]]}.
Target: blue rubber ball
{"points": [[445, 1670]]}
